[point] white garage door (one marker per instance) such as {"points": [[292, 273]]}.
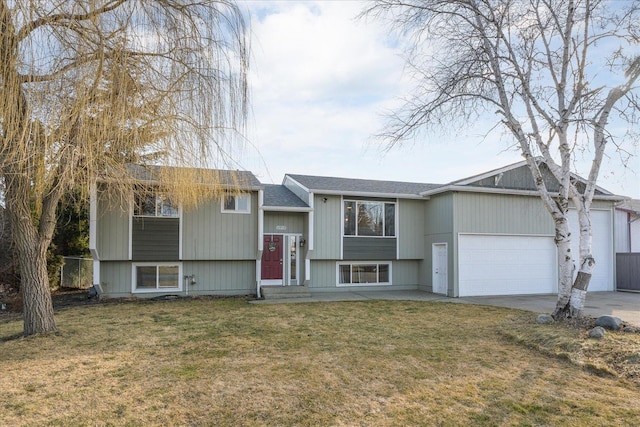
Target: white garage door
{"points": [[506, 265], [601, 247]]}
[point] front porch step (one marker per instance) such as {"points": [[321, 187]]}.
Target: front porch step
{"points": [[282, 292]]}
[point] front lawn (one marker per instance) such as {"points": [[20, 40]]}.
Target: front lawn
{"points": [[227, 362]]}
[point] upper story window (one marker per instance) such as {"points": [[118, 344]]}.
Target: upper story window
{"points": [[155, 204], [364, 218], [236, 203]]}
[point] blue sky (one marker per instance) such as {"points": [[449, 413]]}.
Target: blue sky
{"points": [[320, 81]]}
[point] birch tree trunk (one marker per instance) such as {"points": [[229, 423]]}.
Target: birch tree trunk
{"points": [[566, 266]]}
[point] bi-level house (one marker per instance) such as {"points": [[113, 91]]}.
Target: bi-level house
{"points": [[484, 235]]}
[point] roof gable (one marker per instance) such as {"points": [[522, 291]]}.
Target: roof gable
{"points": [[518, 177]]}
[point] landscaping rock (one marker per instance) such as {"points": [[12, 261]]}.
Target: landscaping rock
{"points": [[609, 322], [630, 329], [597, 332], [544, 319]]}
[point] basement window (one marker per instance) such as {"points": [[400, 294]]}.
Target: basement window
{"points": [[364, 274], [156, 277]]}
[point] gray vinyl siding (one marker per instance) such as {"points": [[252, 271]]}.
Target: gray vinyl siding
{"points": [[324, 276], [212, 278], [115, 278], [221, 277], [406, 273], [438, 214], [369, 248], [438, 226], [621, 231], [155, 239], [328, 227], [284, 222], [207, 233], [410, 229], [112, 227], [501, 214]]}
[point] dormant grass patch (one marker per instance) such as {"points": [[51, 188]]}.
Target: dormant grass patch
{"points": [[227, 362]]}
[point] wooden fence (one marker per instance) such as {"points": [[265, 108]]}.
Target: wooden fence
{"points": [[628, 271]]}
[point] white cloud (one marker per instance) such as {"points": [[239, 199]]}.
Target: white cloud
{"points": [[320, 79]]}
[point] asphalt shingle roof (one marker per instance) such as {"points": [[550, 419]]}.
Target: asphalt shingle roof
{"points": [[318, 184], [225, 178], [281, 196]]}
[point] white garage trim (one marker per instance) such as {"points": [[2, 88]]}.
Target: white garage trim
{"points": [[601, 247], [506, 264]]}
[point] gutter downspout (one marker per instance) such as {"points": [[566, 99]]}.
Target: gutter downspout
{"points": [[260, 242], [93, 224], [310, 239], [629, 230], [629, 222]]}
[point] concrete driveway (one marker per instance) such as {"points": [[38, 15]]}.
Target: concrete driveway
{"points": [[625, 305]]}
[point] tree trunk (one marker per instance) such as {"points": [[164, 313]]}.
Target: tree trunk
{"points": [[566, 266], [572, 304], [31, 246], [37, 306]]}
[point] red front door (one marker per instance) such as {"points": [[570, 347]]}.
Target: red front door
{"points": [[272, 257]]}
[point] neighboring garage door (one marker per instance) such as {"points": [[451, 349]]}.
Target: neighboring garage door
{"points": [[506, 265], [601, 247]]}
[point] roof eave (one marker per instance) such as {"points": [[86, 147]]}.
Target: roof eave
{"points": [[467, 189], [286, 209], [368, 194], [156, 182]]}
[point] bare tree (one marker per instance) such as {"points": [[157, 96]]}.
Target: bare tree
{"points": [[553, 71], [90, 85]]}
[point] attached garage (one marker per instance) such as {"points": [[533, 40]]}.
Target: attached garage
{"points": [[501, 236], [520, 265], [506, 265]]}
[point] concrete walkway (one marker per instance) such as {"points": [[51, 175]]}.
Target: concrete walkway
{"points": [[625, 305]]}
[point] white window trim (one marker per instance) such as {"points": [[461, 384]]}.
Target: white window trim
{"points": [[356, 201], [352, 263], [157, 289], [156, 193], [236, 210]]}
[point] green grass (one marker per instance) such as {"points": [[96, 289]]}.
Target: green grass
{"points": [[227, 362]]}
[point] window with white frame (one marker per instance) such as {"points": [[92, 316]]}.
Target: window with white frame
{"points": [[365, 273], [155, 204], [156, 277], [369, 219], [236, 203]]}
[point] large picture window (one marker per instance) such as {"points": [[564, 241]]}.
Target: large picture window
{"points": [[236, 204], [149, 277], [364, 274], [364, 218], [155, 204]]}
